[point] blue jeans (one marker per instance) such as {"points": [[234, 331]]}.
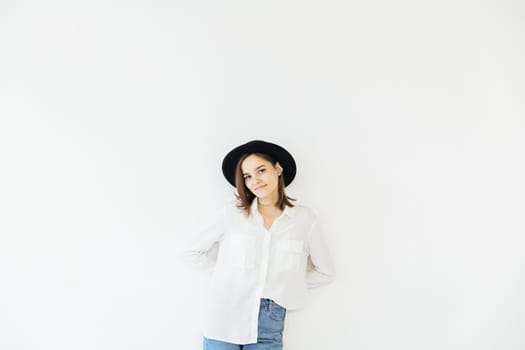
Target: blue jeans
{"points": [[270, 331]]}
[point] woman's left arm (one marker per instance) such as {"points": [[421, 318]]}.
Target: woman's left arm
{"points": [[323, 269]]}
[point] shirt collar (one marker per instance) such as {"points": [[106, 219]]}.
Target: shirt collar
{"points": [[288, 211]]}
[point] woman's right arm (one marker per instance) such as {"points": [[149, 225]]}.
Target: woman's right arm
{"points": [[195, 253]]}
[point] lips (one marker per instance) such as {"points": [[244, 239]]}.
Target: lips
{"points": [[255, 189]]}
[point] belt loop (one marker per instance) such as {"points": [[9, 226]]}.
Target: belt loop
{"points": [[264, 303]]}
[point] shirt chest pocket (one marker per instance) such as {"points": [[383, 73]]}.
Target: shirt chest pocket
{"points": [[241, 251], [288, 255]]}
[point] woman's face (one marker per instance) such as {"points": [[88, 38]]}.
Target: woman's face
{"points": [[260, 176]]}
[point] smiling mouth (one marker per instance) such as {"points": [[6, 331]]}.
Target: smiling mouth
{"points": [[255, 189]]}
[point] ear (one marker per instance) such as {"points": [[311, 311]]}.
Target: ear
{"points": [[278, 167]]}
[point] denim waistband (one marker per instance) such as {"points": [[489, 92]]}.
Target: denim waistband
{"points": [[269, 304], [265, 302]]}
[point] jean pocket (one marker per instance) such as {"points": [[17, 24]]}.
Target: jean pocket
{"points": [[277, 312]]}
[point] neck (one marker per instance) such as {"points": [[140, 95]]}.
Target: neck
{"points": [[265, 202]]}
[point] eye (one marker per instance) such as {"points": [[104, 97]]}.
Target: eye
{"points": [[262, 170]]}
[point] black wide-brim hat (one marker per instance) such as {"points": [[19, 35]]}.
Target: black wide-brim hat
{"points": [[258, 146]]}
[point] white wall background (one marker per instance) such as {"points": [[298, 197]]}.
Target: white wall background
{"points": [[407, 120]]}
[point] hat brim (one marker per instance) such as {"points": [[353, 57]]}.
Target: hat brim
{"points": [[284, 157]]}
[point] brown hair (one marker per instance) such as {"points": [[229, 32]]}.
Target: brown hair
{"points": [[245, 197]]}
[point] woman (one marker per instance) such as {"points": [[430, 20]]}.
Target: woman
{"points": [[265, 242]]}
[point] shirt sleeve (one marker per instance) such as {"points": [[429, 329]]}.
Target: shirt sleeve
{"points": [[195, 251], [322, 270]]}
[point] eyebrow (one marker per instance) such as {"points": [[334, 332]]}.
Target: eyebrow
{"points": [[260, 166]]}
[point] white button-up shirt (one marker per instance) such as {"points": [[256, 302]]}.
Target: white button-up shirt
{"points": [[253, 263]]}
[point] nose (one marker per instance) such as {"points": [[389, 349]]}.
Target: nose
{"points": [[255, 180]]}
